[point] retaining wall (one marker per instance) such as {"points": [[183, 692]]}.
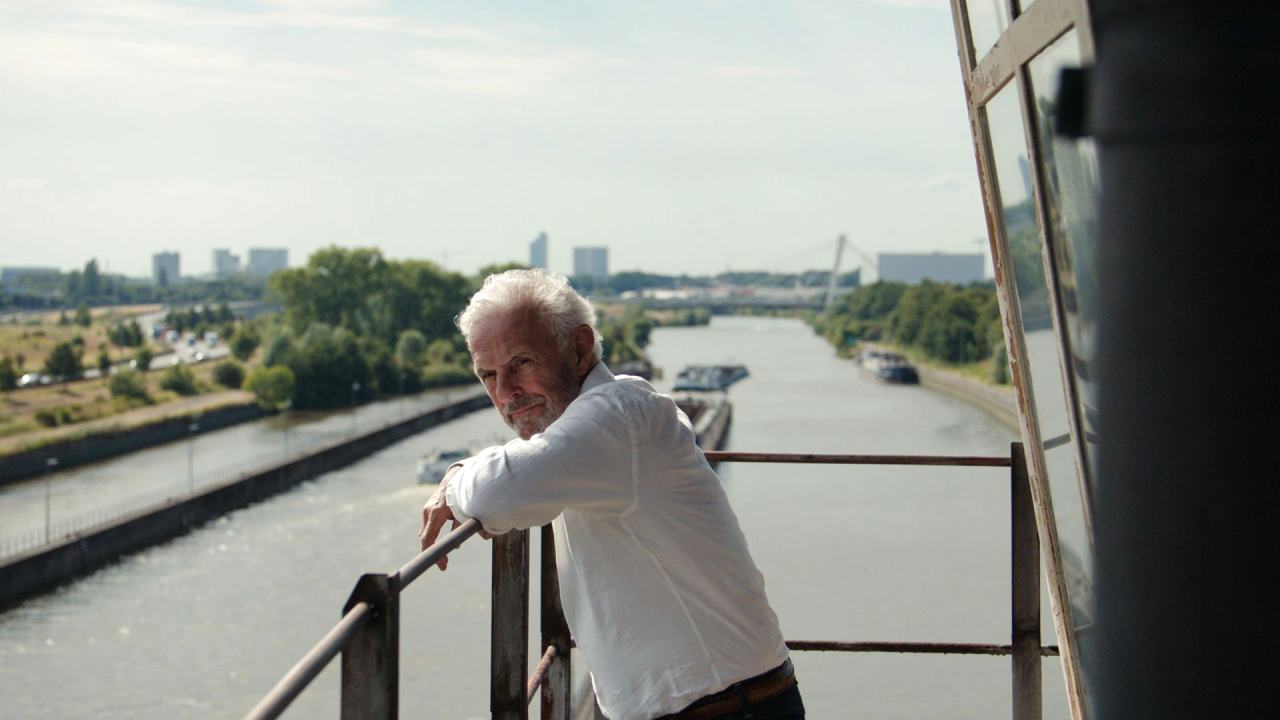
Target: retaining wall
{"points": [[111, 443], [44, 569]]}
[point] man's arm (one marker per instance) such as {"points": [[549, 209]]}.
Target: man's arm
{"points": [[585, 461]]}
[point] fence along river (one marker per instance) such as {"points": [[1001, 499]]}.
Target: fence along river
{"points": [[204, 625]]}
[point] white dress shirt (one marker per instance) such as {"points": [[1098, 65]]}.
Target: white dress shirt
{"points": [[657, 584]]}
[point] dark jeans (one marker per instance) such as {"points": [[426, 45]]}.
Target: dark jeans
{"points": [[787, 706]]}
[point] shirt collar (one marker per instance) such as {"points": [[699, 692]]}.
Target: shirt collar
{"points": [[599, 375]]}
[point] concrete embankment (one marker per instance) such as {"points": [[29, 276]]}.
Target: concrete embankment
{"points": [[41, 570], [113, 442], [996, 402]]}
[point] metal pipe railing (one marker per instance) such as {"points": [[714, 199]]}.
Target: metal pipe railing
{"points": [[369, 631], [300, 675], [818, 459]]}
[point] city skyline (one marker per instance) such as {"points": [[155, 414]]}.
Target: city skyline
{"points": [[689, 138]]}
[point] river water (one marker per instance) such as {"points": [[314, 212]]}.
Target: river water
{"points": [[203, 625]]}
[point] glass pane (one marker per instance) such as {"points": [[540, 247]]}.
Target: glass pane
{"points": [[1013, 173], [988, 19], [1071, 174]]}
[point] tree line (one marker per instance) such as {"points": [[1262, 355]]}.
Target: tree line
{"points": [[953, 324]]}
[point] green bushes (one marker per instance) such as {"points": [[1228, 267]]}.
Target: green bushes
{"points": [[444, 375], [229, 374], [178, 379], [952, 324], [60, 415], [64, 360], [130, 385], [273, 386]]}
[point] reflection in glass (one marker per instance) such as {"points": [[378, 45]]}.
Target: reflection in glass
{"points": [[1049, 397], [988, 19], [1071, 191]]}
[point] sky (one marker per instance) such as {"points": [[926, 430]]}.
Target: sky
{"points": [[688, 137]]}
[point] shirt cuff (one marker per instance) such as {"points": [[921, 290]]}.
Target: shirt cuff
{"points": [[451, 497]]}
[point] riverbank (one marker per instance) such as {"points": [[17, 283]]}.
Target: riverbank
{"points": [[27, 456], [45, 568], [998, 401]]}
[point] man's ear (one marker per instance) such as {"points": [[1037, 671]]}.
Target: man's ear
{"points": [[584, 340]]}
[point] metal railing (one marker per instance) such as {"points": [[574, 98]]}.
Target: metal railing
{"points": [[367, 636]]}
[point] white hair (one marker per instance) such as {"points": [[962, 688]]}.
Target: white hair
{"points": [[546, 294]]}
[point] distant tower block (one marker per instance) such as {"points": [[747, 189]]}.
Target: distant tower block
{"points": [[265, 261], [592, 262], [164, 268], [225, 263], [538, 251]]}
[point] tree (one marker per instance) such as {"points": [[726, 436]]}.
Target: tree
{"points": [[63, 361], [104, 361], [244, 342], [273, 386], [177, 378], [411, 348], [91, 282], [142, 360], [8, 373], [129, 384], [229, 374], [83, 318]]}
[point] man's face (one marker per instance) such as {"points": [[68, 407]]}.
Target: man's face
{"points": [[530, 378]]}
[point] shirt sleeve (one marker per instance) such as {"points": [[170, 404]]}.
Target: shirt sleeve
{"points": [[586, 461]]}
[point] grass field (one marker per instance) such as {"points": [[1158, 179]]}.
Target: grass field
{"points": [[31, 337]]}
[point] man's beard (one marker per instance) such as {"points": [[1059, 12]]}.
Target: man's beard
{"points": [[559, 394]]}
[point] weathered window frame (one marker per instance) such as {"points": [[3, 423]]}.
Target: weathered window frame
{"points": [[1028, 34]]}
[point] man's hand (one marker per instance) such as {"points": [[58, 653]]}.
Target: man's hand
{"points": [[434, 515]]}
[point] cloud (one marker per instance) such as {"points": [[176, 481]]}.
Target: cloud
{"points": [[26, 184], [751, 72], [934, 182], [506, 73], [939, 4]]}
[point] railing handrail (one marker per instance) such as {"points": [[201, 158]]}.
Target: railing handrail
{"points": [[375, 604], [847, 459], [301, 674]]}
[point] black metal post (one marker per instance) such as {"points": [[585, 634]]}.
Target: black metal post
{"points": [[509, 627], [1025, 605], [371, 658], [1183, 104], [555, 631]]}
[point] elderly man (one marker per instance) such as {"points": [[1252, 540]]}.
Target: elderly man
{"points": [[657, 584]]}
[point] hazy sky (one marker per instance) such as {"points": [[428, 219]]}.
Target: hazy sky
{"points": [[686, 136]]}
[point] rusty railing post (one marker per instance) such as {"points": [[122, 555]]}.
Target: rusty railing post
{"points": [[371, 658], [555, 631], [1025, 606], [509, 627]]}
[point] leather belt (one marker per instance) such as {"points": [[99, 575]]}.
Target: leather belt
{"points": [[752, 691]]}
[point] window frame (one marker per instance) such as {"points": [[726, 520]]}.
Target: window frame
{"points": [[1029, 33]]}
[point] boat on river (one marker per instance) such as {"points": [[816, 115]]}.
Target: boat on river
{"points": [[888, 367], [709, 377], [433, 466]]}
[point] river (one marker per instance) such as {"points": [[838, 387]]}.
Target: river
{"points": [[203, 625]]}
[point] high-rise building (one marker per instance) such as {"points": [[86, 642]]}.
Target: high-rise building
{"points": [[959, 268], [591, 261], [225, 263], [263, 262], [164, 268], [538, 251]]}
